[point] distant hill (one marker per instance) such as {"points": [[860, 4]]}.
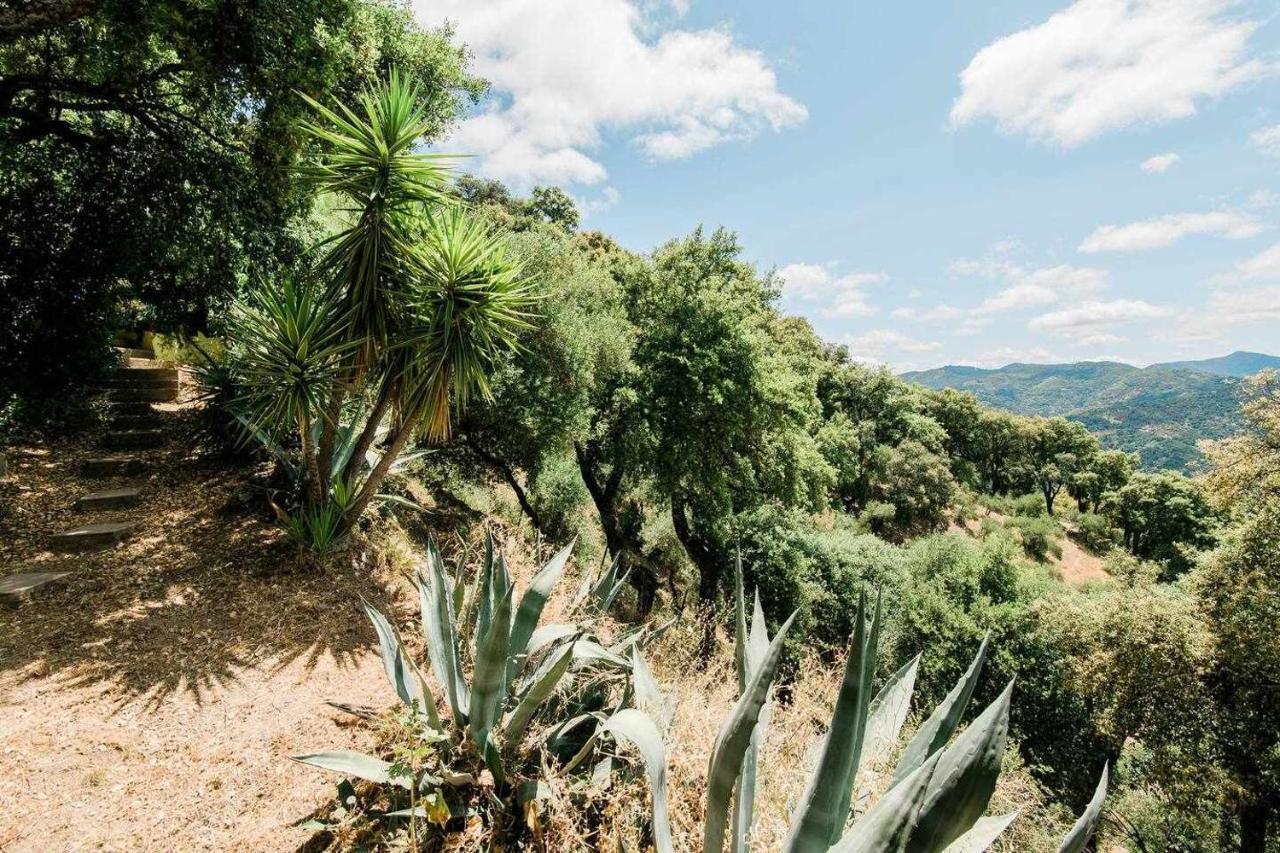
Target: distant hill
{"points": [[1237, 364], [1158, 412]]}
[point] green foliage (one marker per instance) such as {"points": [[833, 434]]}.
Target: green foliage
{"points": [[150, 148], [1097, 533], [1163, 518], [1039, 537]]}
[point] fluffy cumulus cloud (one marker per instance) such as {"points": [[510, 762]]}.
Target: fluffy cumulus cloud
{"points": [[1159, 164], [1226, 309], [1267, 140], [1029, 288], [1002, 356], [936, 314], [1091, 323], [1166, 230], [887, 346], [817, 288], [564, 72], [1099, 65]]}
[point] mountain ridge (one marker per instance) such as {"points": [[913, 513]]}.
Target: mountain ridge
{"points": [[1159, 412]]}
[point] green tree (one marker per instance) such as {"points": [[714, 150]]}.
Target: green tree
{"points": [[1058, 449], [146, 152], [1100, 473], [1162, 517]]}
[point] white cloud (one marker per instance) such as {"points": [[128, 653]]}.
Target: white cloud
{"points": [[565, 71], [1011, 355], [835, 296], [1267, 140], [1030, 288], [936, 314], [608, 198], [1264, 266], [1229, 308], [873, 345], [1159, 164], [1099, 65], [1089, 322], [1164, 231], [972, 326]]}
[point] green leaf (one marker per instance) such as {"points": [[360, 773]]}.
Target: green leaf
{"points": [[648, 695], [744, 795], [440, 632], [639, 729], [983, 834], [824, 809], [1087, 824], [887, 826], [733, 740], [489, 678], [354, 764], [889, 712], [530, 611], [934, 733], [403, 675], [537, 693], [965, 779]]}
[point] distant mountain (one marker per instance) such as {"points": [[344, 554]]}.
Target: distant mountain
{"points": [[1237, 364], [1158, 412]]}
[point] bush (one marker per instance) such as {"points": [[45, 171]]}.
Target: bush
{"points": [[1097, 533], [197, 350], [557, 495], [1028, 506], [1039, 536]]}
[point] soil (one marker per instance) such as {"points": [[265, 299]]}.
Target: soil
{"points": [[150, 701]]}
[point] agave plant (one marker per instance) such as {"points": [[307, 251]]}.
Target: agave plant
{"points": [[940, 789], [516, 669]]}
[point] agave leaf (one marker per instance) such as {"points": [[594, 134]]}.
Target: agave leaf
{"points": [[589, 651], [401, 672], [440, 632], [638, 728], [888, 714], [483, 593], [489, 677], [733, 740], [886, 827], [983, 834], [824, 809], [549, 635], [649, 696], [937, 730], [354, 764], [965, 779], [739, 625], [459, 593], [530, 611], [537, 693], [757, 643], [1087, 824]]}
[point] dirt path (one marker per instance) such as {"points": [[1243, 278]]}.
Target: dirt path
{"points": [[150, 701]]}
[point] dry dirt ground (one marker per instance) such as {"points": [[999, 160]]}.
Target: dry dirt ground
{"points": [[1076, 565], [151, 700]]}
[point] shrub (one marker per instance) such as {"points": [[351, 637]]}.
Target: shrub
{"points": [[194, 350], [1039, 536], [1097, 533], [1028, 506]]}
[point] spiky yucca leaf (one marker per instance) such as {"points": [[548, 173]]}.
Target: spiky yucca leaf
{"points": [[934, 733], [886, 827], [1087, 824], [531, 605]]}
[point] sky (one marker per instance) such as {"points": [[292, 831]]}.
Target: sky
{"points": [[977, 182]]}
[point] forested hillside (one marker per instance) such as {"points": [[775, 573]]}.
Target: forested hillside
{"points": [[1159, 412]]}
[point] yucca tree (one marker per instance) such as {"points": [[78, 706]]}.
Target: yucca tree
{"points": [[410, 303]]}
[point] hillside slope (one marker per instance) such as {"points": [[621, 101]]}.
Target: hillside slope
{"points": [[1158, 412], [1238, 364]]}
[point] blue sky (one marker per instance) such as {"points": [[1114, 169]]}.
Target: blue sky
{"points": [[969, 182]]}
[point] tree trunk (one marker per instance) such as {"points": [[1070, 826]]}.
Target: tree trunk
{"points": [[629, 553], [379, 472], [367, 437], [698, 548], [509, 475], [1253, 827]]}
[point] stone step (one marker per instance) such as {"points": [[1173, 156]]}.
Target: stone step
{"points": [[135, 408], [142, 380], [110, 499], [133, 439], [134, 352], [150, 420], [115, 466], [141, 363], [90, 536], [15, 589], [148, 371], [143, 394]]}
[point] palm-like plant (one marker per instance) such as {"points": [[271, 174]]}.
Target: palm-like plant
{"points": [[415, 301]]}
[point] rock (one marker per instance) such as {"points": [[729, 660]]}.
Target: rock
{"points": [[114, 466], [133, 439], [21, 587]]}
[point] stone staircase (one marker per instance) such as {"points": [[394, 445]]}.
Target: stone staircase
{"points": [[134, 427]]}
